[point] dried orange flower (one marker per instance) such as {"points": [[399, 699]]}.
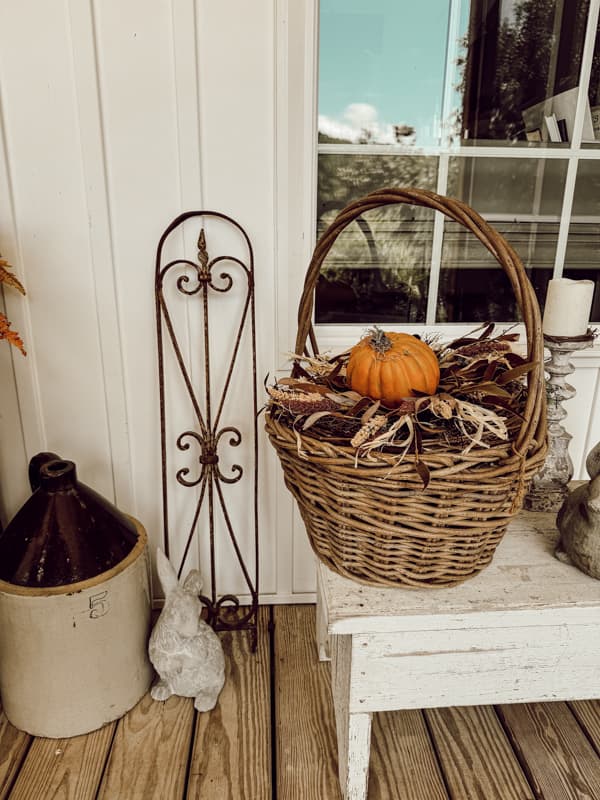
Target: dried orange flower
{"points": [[6, 331]]}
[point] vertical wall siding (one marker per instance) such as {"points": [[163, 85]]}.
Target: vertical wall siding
{"points": [[116, 117], [13, 445], [52, 245]]}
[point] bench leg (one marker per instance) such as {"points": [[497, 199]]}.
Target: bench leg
{"points": [[353, 755], [322, 635], [353, 729]]}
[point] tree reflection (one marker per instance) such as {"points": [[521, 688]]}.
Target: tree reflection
{"points": [[516, 58], [378, 268]]}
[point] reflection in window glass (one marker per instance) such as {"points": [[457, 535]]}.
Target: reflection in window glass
{"points": [[444, 75], [509, 185], [594, 90], [381, 71], [344, 178], [378, 269], [586, 201], [394, 71], [522, 66], [473, 286], [582, 259]]}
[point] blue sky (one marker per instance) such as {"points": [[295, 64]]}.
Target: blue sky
{"points": [[382, 63]]}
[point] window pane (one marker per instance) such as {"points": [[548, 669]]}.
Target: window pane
{"points": [[381, 70], [344, 178], [522, 67], [473, 286], [586, 201], [509, 185], [378, 268], [582, 258], [394, 71], [594, 90]]}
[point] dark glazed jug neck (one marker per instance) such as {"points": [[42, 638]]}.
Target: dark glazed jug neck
{"points": [[35, 466], [57, 476]]}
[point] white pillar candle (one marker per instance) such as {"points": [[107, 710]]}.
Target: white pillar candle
{"points": [[568, 305]]}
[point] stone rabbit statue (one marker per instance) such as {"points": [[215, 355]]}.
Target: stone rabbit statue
{"points": [[184, 650], [578, 522]]}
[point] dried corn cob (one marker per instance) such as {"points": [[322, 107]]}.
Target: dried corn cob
{"points": [[368, 429], [482, 349], [301, 402]]}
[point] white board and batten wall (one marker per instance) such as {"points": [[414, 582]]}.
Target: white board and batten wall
{"points": [[115, 118]]}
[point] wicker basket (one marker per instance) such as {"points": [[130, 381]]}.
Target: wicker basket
{"points": [[371, 520]]}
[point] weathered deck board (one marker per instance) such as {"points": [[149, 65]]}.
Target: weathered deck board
{"points": [[150, 751], [557, 757], [403, 763], [476, 757], [588, 716], [231, 758], [305, 728], [165, 750], [70, 768], [13, 749]]}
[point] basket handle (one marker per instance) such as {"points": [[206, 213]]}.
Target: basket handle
{"points": [[533, 428]]}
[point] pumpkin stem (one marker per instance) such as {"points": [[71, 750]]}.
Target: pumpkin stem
{"points": [[379, 341]]}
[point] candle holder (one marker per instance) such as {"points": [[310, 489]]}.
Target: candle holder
{"points": [[549, 487]]}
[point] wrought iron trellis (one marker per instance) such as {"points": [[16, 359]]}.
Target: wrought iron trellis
{"points": [[207, 431]]}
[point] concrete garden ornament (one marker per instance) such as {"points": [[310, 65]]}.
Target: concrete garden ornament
{"points": [[579, 522], [184, 650]]}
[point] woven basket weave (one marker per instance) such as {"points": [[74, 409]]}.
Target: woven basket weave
{"points": [[371, 520]]}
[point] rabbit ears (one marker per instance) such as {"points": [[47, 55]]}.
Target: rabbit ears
{"points": [[168, 576], [166, 573]]}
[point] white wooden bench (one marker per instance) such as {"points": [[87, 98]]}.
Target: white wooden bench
{"points": [[525, 629]]}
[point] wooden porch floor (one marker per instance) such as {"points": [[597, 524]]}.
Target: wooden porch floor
{"points": [[272, 737]]}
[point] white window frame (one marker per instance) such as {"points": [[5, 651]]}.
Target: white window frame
{"points": [[298, 150]]}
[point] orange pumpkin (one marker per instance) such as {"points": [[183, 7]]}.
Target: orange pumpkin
{"points": [[392, 366]]}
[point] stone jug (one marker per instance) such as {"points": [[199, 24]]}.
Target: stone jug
{"points": [[74, 608]]}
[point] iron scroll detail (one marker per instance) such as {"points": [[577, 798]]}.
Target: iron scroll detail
{"points": [[201, 282]]}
